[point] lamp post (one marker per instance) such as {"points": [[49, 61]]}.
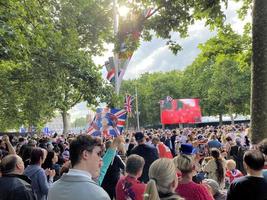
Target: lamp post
{"points": [[137, 112]]}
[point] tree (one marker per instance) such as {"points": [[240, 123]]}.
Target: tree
{"points": [[223, 65], [259, 72], [46, 57]]}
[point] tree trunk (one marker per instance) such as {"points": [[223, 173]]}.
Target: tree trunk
{"points": [[232, 119], [65, 119], [259, 72], [220, 119]]}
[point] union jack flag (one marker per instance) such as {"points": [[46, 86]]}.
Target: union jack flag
{"points": [[128, 103], [111, 75], [108, 122]]}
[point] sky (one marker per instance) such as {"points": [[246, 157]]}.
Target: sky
{"points": [[154, 56]]}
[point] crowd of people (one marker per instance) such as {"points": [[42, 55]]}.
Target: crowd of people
{"points": [[207, 163]]}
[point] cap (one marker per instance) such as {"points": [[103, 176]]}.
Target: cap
{"points": [[139, 136]]}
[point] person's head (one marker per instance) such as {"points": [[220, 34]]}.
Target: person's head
{"points": [[134, 165], [212, 185], [12, 164], [253, 160], [213, 136], [85, 154], [215, 153], [139, 137], [155, 140], [162, 179], [184, 164], [230, 164], [50, 160], [127, 140], [32, 143], [38, 156]]}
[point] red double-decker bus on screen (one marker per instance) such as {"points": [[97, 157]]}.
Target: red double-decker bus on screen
{"points": [[180, 111]]}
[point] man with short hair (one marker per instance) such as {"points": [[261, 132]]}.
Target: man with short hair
{"points": [[128, 187], [150, 154], [14, 185], [252, 186], [85, 156]]}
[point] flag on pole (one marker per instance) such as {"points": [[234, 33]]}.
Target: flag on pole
{"points": [[128, 101], [129, 32], [110, 67]]}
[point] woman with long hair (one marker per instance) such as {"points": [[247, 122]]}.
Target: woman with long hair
{"points": [[50, 163], [162, 181], [215, 168]]}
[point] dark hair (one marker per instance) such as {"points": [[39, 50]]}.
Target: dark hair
{"points": [[134, 164], [8, 164], [81, 143], [263, 146], [22, 139], [254, 159], [36, 154], [48, 160], [228, 139], [25, 152], [215, 153]]}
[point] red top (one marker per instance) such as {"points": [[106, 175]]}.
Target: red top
{"points": [[130, 188], [233, 174], [164, 151], [193, 191]]}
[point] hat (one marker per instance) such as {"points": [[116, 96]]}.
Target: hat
{"points": [[187, 149], [213, 184], [139, 136]]}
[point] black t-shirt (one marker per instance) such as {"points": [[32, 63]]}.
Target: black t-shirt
{"points": [[248, 188]]}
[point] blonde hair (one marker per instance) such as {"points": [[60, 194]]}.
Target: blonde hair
{"points": [[162, 173], [184, 163], [230, 164]]}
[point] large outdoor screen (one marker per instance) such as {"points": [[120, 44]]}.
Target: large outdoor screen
{"points": [[179, 111]]}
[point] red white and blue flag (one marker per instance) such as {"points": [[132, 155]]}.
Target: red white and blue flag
{"points": [[111, 75], [108, 122], [128, 101]]}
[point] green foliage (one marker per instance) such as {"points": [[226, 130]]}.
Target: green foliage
{"points": [[46, 57], [176, 16]]}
